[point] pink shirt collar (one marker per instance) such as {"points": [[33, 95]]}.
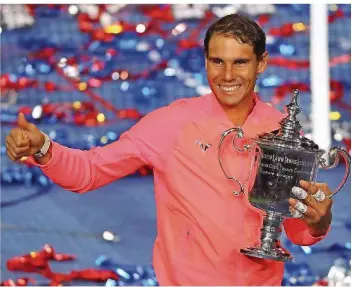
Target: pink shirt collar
{"points": [[258, 119]]}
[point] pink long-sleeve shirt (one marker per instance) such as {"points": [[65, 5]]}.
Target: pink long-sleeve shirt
{"points": [[201, 224]]}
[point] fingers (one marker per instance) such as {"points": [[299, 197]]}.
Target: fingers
{"points": [[313, 187], [296, 213], [11, 154], [304, 197], [312, 202], [323, 187], [300, 193], [300, 210], [17, 152], [19, 137], [311, 194], [301, 207], [319, 195], [297, 208], [17, 145]]}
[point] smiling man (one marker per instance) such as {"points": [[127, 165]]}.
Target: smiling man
{"points": [[202, 224], [235, 57]]}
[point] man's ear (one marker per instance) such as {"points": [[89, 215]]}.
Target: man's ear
{"points": [[263, 62], [206, 63]]}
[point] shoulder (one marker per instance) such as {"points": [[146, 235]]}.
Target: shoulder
{"points": [[172, 116], [268, 113], [156, 132], [180, 110], [268, 118], [186, 104]]}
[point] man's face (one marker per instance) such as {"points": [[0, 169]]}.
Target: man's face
{"points": [[232, 69]]}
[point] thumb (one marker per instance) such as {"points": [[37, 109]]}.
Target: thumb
{"points": [[22, 122]]}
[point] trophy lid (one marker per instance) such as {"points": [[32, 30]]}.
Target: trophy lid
{"points": [[289, 135]]}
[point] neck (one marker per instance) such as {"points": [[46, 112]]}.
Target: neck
{"points": [[240, 112]]}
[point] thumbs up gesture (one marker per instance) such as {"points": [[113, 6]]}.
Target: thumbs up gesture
{"points": [[25, 140]]}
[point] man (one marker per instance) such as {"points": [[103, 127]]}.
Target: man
{"points": [[201, 224]]}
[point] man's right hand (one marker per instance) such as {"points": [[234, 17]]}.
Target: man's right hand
{"points": [[25, 140]]}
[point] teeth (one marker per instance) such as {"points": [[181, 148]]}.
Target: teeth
{"points": [[230, 89]]}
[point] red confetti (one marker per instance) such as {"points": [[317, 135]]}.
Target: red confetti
{"points": [[343, 59], [90, 94], [4, 81], [285, 30], [94, 83], [38, 262], [27, 263], [163, 13], [25, 110], [337, 93], [89, 106], [337, 14], [85, 27], [286, 89], [50, 86], [158, 14], [100, 35], [21, 83], [133, 114], [185, 44], [122, 114], [94, 275], [263, 19], [347, 142], [111, 52], [322, 282], [44, 53], [18, 282], [98, 65], [288, 63], [79, 119]]}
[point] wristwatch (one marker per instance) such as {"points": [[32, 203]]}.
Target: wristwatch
{"points": [[44, 149]]}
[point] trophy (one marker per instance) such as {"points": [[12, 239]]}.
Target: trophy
{"points": [[279, 161]]}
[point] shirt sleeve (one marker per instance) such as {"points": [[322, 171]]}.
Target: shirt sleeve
{"points": [[146, 143], [80, 171], [297, 231]]}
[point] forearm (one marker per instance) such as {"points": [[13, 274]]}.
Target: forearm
{"points": [[299, 233], [45, 158], [322, 228], [68, 168], [81, 171]]}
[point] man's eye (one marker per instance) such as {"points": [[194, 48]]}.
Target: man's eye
{"points": [[217, 61]]}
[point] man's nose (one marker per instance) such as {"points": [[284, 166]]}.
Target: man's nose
{"points": [[228, 73]]}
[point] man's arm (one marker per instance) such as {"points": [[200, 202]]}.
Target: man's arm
{"points": [[146, 143], [298, 232], [311, 212], [74, 169], [81, 171]]}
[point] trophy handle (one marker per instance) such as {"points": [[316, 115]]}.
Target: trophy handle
{"points": [[335, 152], [246, 147]]}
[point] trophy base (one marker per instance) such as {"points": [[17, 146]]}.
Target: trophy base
{"points": [[277, 254], [269, 247]]}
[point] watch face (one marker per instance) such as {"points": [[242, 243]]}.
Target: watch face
{"points": [[38, 155]]}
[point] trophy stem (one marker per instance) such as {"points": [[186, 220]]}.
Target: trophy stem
{"points": [[271, 230], [270, 247]]}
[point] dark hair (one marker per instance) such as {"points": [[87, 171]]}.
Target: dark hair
{"points": [[239, 27]]}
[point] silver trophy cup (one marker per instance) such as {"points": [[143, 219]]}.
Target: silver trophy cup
{"points": [[279, 161]]}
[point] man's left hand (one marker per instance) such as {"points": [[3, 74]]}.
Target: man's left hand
{"points": [[313, 206]]}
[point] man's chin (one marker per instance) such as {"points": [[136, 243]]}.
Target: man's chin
{"points": [[230, 100]]}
